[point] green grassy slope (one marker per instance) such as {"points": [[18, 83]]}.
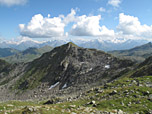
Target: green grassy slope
{"points": [[129, 95]]}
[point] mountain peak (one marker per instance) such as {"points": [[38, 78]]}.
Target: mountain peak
{"points": [[149, 43], [71, 44], [72, 66]]}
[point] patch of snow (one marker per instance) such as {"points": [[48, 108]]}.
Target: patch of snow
{"points": [[21, 40], [107, 66], [65, 85], [82, 62], [86, 71], [52, 86], [26, 39], [90, 69]]}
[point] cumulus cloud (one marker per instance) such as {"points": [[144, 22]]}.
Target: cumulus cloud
{"points": [[114, 3], [89, 26], [70, 17], [43, 27], [47, 27], [13, 2], [130, 25]]}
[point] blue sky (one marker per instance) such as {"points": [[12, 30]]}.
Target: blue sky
{"points": [[105, 19]]}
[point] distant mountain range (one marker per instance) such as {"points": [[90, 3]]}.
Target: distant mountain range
{"points": [[27, 50], [139, 53], [21, 45], [105, 45], [4, 52], [23, 56], [108, 45]]}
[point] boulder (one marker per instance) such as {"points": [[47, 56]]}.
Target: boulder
{"points": [[49, 102], [113, 92]]}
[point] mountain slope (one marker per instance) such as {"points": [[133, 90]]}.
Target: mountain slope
{"points": [[5, 68], [70, 65], [3, 65], [123, 96], [144, 69], [138, 53], [28, 54], [4, 52]]}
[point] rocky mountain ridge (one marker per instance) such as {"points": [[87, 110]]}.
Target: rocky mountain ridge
{"points": [[72, 65], [66, 67]]}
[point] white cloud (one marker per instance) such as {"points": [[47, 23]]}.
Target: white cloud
{"points": [[101, 9], [130, 25], [47, 27], [114, 3], [43, 27], [70, 17], [89, 26], [13, 2]]}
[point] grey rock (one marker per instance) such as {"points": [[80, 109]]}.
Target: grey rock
{"points": [[92, 102], [150, 97], [72, 106], [120, 112], [146, 93], [113, 92]]}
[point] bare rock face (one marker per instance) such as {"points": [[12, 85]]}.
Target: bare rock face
{"points": [[67, 67]]}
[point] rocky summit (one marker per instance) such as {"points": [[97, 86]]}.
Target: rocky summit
{"points": [[66, 69]]}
